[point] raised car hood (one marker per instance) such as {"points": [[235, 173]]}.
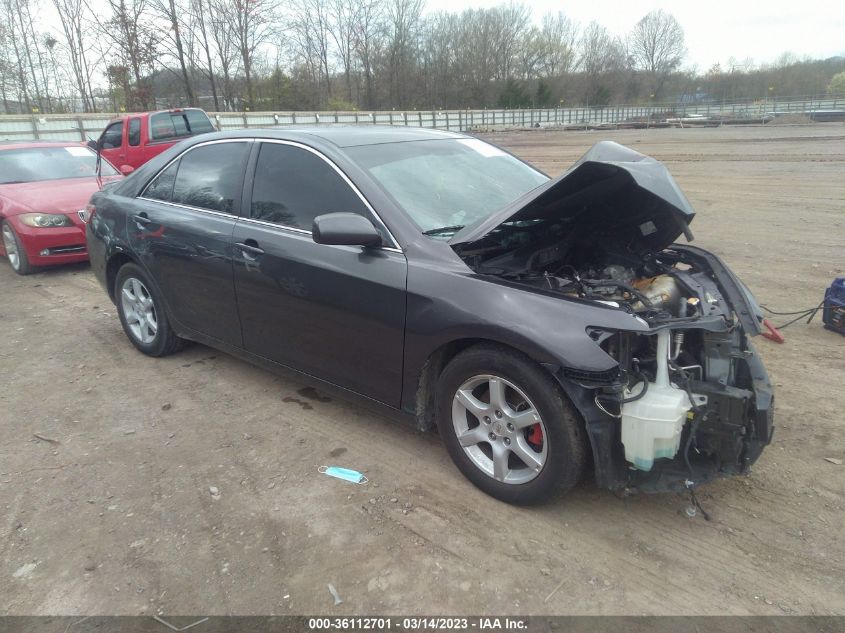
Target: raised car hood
{"points": [[612, 190]]}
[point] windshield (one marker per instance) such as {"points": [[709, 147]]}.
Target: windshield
{"points": [[33, 164], [445, 185]]}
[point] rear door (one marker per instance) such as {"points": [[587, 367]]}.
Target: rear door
{"points": [[181, 228], [334, 312]]}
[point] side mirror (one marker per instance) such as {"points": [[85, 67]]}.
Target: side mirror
{"points": [[349, 229], [92, 144], [126, 169]]}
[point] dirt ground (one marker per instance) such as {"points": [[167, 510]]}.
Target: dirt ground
{"points": [[111, 511]]}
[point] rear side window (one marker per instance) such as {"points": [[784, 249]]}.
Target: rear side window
{"points": [[113, 136], [292, 186], [164, 126], [210, 176], [161, 188], [198, 122], [168, 125], [134, 132]]}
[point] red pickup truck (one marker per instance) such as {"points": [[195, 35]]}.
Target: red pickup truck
{"points": [[131, 140]]}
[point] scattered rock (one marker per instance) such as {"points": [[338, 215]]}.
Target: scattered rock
{"points": [[834, 460], [25, 570], [166, 406], [393, 500], [215, 492]]}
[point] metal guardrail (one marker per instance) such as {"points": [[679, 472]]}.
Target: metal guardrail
{"points": [[84, 126]]}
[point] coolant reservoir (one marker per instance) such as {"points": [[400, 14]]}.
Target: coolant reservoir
{"points": [[652, 425]]}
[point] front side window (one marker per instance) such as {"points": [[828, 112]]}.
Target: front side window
{"points": [[292, 186], [134, 132], [209, 176], [113, 136]]}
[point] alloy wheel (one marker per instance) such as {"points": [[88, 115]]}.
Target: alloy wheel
{"points": [[139, 310], [499, 429], [11, 246]]}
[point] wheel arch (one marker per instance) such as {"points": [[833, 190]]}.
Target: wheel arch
{"points": [[114, 263], [424, 402]]}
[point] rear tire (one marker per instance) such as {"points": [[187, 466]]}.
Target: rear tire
{"points": [[508, 426], [15, 252], [142, 314]]}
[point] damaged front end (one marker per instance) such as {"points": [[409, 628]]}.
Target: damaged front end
{"points": [[690, 400]]}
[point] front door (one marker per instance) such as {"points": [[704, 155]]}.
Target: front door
{"points": [[334, 312]]}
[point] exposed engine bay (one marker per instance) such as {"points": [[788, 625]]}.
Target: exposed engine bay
{"points": [[690, 400]]}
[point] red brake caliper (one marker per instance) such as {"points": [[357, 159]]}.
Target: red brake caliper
{"points": [[535, 436]]}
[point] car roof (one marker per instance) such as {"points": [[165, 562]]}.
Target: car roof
{"points": [[352, 135], [29, 143], [338, 135]]}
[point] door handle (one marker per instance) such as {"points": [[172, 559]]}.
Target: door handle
{"points": [[250, 250], [141, 219]]}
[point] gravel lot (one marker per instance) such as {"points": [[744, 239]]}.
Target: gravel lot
{"points": [[110, 510]]}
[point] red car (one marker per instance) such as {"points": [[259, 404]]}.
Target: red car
{"points": [[44, 189], [131, 140]]}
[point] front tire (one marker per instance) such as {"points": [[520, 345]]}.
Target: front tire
{"points": [[508, 426], [15, 252], [142, 315]]}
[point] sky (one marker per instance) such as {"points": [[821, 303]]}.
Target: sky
{"points": [[715, 30]]}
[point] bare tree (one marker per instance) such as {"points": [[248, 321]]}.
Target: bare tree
{"points": [[558, 34], [403, 17], [601, 56], [173, 13], [74, 19], [133, 38], [311, 42], [225, 45], [203, 52], [369, 40], [253, 23], [343, 15], [657, 46], [17, 49], [7, 72], [511, 22]]}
